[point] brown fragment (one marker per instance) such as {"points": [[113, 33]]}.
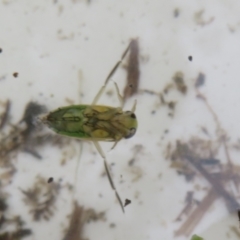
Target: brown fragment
{"points": [[78, 218], [178, 79], [15, 74], [133, 72], [75, 225]]}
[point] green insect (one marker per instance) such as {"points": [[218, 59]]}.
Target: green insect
{"points": [[96, 122]]}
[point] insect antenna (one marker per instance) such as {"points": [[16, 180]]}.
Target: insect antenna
{"points": [[99, 149], [134, 106]]}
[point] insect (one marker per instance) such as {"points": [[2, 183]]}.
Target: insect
{"points": [[96, 122]]}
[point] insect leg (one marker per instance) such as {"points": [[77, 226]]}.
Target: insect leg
{"points": [[77, 167], [99, 94], [120, 98], [99, 149]]}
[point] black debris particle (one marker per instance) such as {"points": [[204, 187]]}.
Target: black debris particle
{"points": [[50, 180], [0, 50], [127, 202], [15, 74], [190, 58]]}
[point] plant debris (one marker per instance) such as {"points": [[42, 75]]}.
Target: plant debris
{"points": [[78, 218], [15, 223], [190, 202], [235, 230], [199, 158], [41, 199], [133, 72], [5, 115], [178, 79]]}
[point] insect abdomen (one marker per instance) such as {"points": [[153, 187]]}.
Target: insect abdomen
{"points": [[68, 121]]}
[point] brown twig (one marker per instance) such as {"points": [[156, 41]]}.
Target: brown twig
{"points": [[133, 72]]}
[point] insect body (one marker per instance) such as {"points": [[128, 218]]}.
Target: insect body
{"points": [[101, 123], [96, 122]]}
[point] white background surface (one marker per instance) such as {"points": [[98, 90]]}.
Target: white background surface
{"points": [[49, 42]]}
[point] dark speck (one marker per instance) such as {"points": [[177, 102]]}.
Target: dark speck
{"points": [[15, 74], [166, 131], [190, 58], [50, 180], [0, 50], [127, 202]]}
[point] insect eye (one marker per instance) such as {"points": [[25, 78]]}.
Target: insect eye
{"points": [[133, 115], [131, 133]]}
